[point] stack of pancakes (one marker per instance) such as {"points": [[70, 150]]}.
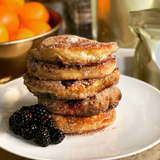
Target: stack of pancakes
{"points": [[75, 79]]}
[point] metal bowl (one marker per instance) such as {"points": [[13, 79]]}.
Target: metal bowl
{"points": [[14, 54]]}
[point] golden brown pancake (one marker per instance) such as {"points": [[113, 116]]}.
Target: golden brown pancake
{"points": [[70, 89], [70, 49], [75, 78], [44, 70], [74, 124], [100, 102]]}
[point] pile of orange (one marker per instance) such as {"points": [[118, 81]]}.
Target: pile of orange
{"points": [[20, 19]]}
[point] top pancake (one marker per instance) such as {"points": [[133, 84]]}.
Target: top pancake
{"points": [[70, 49]]}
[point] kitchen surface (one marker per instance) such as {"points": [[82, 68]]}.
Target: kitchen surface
{"points": [[78, 20]]}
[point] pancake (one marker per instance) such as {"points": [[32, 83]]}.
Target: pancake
{"points": [[74, 124], [69, 89], [100, 102], [44, 70], [70, 49]]}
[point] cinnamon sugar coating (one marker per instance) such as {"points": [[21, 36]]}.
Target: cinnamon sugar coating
{"points": [[100, 102], [75, 79], [70, 89], [44, 70], [70, 49], [74, 124]]}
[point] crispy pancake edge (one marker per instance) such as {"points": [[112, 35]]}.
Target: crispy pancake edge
{"points": [[76, 90], [44, 70], [73, 124], [70, 49]]}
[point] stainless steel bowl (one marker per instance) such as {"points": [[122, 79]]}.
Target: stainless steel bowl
{"points": [[14, 54]]}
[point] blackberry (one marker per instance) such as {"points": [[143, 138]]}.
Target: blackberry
{"points": [[28, 131], [44, 120], [22, 117], [33, 122], [16, 129], [57, 136], [11, 121], [24, 108], [39, 113], [50, 124], [42, 136]]}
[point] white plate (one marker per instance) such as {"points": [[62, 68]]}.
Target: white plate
{"points": [[136, 128]]}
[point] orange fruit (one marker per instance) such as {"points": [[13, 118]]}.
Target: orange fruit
{"points": [[4, 37], [21, 33], [14, 5], [9, 19], [34, 10], [37, 26], [104, 7]]}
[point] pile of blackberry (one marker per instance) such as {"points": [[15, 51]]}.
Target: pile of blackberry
{"points": [[33, 123]]}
